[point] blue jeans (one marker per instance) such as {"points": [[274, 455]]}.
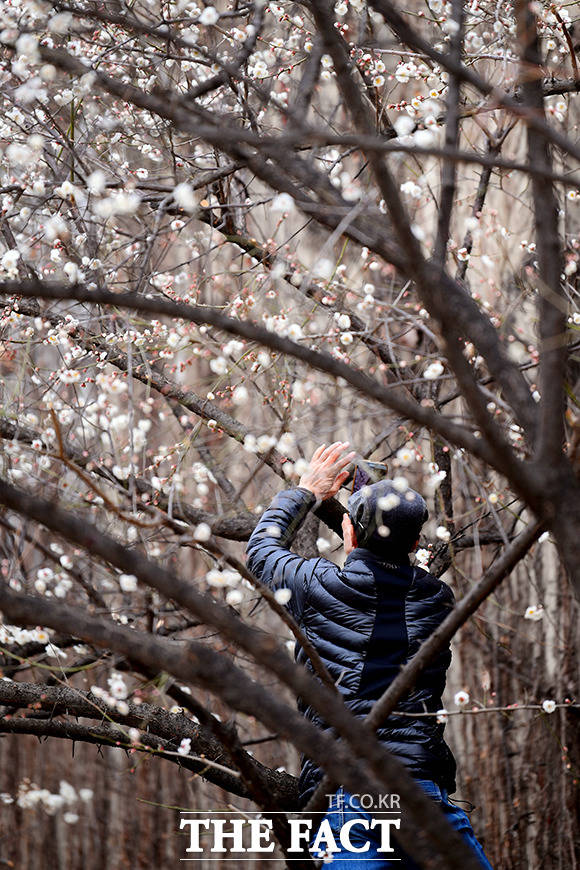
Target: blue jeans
{"points": [[345, 808]]}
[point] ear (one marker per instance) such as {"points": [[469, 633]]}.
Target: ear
{"points": [[349, 534]]}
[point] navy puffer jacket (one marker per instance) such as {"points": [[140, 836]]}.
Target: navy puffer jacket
{"points": [[366, 620]]}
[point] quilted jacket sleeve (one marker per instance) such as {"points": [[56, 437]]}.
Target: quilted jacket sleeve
{"points": [[268, 554]]}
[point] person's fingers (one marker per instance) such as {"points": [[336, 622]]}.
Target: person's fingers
{"points": [[330, 450], [338, 483], [333, 452], [318, 451], [346, 460], [341, 476], [342, 461]]}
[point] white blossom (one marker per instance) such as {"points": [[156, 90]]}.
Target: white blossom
{"points": [[286, 442], [117, 686], [10, 261], [411, 189], [202, 532], [218, 365], [250, 443], [185, 746], [422, 556], [69, 376], [66, 189], [548, 706], [433, 371], [210, 15], [405, 456], [184, 196], [118, 203], [96, 182], [388, 502], [240, 395], [265, 442], [402, 74], [60, 22], [67, 792], [72, 271], [234, 597], [404, 125], [295, 331], [128, 582], [283, 596], [323, 268], [27, 46]]}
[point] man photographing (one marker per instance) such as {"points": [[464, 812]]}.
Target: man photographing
{"points": [[366, 620]]}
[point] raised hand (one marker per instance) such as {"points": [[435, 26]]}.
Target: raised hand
{"points": [[327, 470]]}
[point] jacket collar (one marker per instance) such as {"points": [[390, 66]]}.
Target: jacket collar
{"points": [[368, 556]]}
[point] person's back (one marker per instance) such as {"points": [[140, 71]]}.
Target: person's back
{"points": [[365, 620], [368, 618]]}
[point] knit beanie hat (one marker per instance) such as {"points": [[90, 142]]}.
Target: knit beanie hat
{"points": [[386, 518]]}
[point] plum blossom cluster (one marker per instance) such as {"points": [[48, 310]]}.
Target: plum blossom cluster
{"points": [[116, 695], [219, 578], [65, 800], [11, 634], [535, 612]]}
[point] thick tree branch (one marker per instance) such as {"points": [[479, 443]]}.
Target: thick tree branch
{"points": [[426, 835], [169, 728]]}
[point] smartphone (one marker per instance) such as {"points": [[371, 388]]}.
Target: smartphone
{"points": [[365, 473]]}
